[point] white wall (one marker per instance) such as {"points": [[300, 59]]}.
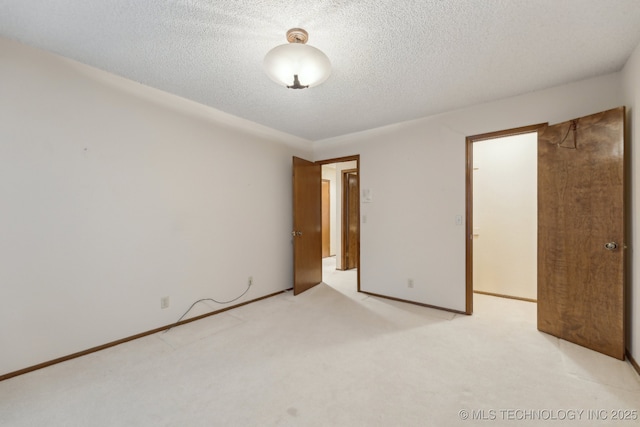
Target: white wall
{"points": [[505, 215], [416, 171], [113, 195], [631, 81]]}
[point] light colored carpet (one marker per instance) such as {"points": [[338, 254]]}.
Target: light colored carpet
{"points": [[334, 357]]}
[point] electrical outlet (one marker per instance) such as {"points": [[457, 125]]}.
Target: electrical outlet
{"points": [[164, 302], [410, 283], [250, 280]]}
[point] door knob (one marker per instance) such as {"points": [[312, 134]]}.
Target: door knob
{"points": [[611, 246]]}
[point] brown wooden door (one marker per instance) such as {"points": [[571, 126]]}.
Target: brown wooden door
{"points": [[307, 233], [326, 218], [580, 211], [351, 214]]}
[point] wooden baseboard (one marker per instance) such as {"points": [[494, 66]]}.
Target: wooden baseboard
{"points": [[505, 296], [413, 302], [124, 340], [633, 362]]}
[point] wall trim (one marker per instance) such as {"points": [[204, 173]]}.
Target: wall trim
{"points": [[505, 296], [633, 362], [413, 302], [127, 339]]}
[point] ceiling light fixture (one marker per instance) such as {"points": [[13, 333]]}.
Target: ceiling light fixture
{"points": [[297, 65]]}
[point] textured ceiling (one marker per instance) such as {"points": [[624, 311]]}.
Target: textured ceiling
{"points": [[393, 60]]}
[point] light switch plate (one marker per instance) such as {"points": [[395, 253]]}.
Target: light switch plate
{"points": [[367, 196]]}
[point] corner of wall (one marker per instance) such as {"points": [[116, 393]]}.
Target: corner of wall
{"points": [[631, 91]]}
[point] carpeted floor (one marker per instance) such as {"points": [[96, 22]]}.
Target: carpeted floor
{"points": [[334, 357]]}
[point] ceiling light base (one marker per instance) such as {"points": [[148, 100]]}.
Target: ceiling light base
{"points": [[297, 35]]}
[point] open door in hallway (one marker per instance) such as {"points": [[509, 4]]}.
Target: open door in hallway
{"points": [[351, 219], [326, 218], [581, 231], [307, 233]]}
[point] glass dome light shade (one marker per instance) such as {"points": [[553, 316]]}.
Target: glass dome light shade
{"points": [[284, 62]]}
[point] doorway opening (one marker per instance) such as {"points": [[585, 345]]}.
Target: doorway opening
{"points": [[505, 215], [502, 214], [307, 219], [341, 221]]}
